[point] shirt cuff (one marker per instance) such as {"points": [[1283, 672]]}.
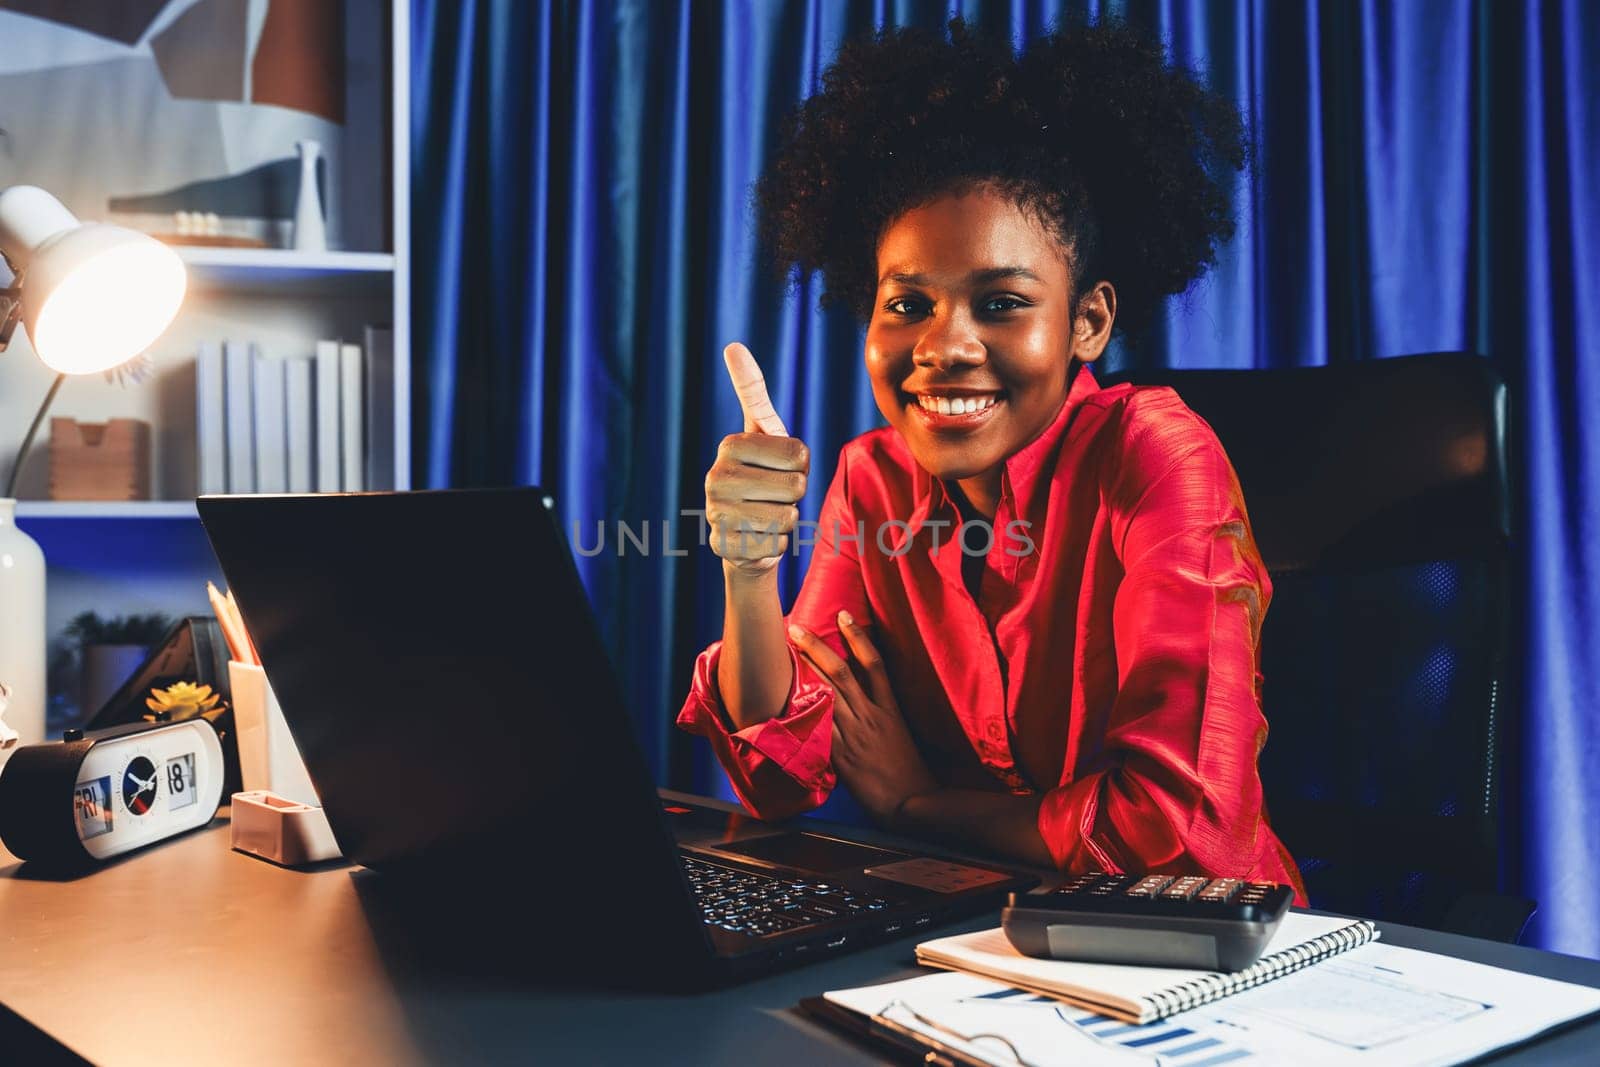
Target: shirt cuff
{"points": [[768, 763], [1067, 822]]}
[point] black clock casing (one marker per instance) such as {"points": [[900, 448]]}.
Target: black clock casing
{"points": [[39, 817]]}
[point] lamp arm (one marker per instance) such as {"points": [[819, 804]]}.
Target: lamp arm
{"points": [[10, 303], [10, 313], [22, 453]]}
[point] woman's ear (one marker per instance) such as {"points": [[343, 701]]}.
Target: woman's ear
{"points": [[1092, 321]]}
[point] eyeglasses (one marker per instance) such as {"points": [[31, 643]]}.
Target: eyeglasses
{"points": [[1015, 1057]]}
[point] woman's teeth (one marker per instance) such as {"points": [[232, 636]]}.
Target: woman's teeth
{"points": [[956, 405]]}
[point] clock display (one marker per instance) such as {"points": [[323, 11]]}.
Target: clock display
{"points": [[130, 785], [139, 785], [182, 789], [91, 805]]}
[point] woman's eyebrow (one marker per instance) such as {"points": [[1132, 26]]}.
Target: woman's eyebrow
{"points": [[977, 277]]}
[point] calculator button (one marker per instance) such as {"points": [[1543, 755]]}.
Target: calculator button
{"points": [[1220, 891], [1079, 884], [1183, 888], [1150, 886]]}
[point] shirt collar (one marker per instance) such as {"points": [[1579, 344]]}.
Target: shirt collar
{"points": [[1021, 471]]}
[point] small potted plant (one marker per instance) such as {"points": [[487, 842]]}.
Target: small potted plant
{"points": [[184, 700], [109, 650]]}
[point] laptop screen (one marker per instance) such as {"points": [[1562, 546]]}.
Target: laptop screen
{"points": [[437, 661]]}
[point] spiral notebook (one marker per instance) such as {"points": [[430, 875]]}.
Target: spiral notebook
{"points": [[1144, 994]]}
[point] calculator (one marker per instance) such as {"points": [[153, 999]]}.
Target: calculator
{"points": [[1158, 920]]}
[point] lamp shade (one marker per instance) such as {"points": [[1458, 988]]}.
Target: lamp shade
{"points": [[94, 295]]}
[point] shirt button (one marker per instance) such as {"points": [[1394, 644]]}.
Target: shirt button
{"points": [[995, 731]]}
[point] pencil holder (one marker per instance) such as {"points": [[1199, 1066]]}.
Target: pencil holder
{"points": [[269, 761]]}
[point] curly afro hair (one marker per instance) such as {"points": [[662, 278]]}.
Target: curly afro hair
{"points": [[1127, 159]]}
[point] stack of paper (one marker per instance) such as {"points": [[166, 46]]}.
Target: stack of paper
{"points": [[1377, 1004]]}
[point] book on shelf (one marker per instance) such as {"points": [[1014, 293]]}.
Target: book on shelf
{"points": [[298, 414], [211, 444], [322, 422], [330, 468], [352, 433], [380, 407], [271, 424], [238, 417]]}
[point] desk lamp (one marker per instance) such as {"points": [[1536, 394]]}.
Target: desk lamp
{"points": [[92, 295]]}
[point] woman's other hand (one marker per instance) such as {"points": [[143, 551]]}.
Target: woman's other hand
{"points": [[873, 752], [758, 478]]}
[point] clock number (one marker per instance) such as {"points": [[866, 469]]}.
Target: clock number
{"points": [[182, 782], [91, 803]]}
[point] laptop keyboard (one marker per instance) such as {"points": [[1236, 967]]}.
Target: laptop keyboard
{"points": [[759, 905]]}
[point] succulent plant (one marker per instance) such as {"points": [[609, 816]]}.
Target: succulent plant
{"points": [[184, 700]]}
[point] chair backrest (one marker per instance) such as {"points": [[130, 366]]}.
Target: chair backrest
{"points": [[1377, 492]]}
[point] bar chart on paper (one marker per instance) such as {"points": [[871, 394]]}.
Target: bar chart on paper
{"points": [[1163, 1043], [1010, 1026], [1378, 1004]]}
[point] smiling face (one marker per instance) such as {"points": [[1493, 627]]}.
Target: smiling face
{"points": [[971, 332]]}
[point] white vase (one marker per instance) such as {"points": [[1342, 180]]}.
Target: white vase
{"points": [[22, 629], [310, 231]]}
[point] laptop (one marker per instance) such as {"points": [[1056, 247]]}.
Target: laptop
{"points": [[444, 677]]}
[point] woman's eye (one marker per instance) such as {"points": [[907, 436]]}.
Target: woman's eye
{"points": [[905, 306]]}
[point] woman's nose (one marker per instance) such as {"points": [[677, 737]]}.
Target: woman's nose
{"points": [[948, 341]]}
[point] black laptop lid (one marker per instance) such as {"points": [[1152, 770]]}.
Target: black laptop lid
{"points": [[436, 659]]}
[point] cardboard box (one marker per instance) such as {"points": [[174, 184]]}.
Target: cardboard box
{"points": [[99, 460]]}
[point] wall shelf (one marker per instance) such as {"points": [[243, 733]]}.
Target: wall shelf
{"points": [[106, 509], [135, 557], [274, 266]]}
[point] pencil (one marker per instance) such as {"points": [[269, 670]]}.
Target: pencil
{"points": [[249, 645], [230, 630]]}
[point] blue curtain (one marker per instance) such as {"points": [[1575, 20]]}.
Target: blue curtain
{"points": [[583, 247]]}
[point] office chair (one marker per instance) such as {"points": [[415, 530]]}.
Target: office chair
{"points": [[1377, 492]]}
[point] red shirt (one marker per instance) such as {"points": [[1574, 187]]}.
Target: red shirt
{"points": [[1113, 667]]}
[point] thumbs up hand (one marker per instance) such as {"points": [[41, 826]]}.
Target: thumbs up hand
{"points": [[751, 388], [758, 477]]}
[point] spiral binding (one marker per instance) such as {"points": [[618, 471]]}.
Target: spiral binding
{"points": [[1200, 991]]}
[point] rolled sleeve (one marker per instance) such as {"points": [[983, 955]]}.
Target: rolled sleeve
{"points": [[783, 766], [777, 768]]}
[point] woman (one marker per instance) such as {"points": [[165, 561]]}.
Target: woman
{"points": [[1031, 618]]}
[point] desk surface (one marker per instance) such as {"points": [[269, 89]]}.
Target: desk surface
{"points": [[192, 953]]}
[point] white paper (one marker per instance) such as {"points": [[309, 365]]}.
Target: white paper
{"points": [[952, 1009], [1377, 1004]]}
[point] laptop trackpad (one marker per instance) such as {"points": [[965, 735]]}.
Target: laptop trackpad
{"points": [[811, 852]]}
